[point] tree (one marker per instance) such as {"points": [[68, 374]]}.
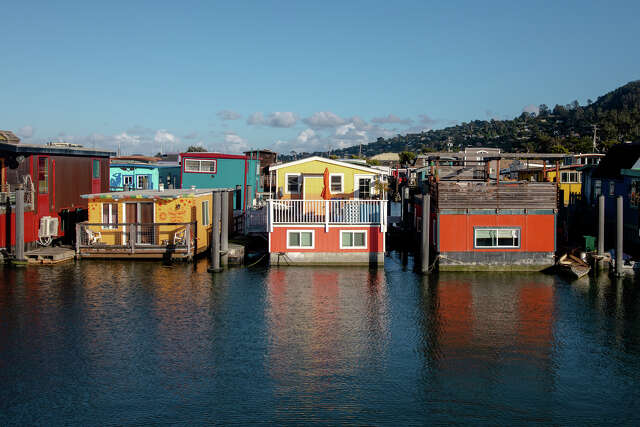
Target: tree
{"points": [[196, 149], [407, 157], [543, 110]]}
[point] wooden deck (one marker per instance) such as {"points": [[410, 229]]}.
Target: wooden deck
{"points": [[50, 255]]}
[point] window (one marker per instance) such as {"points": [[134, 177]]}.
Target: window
{"points": [[612, 188], [302, 239], [43, 175], [597, 188], [353, 240], [634, 193], [205, 213], [497, 237], [96, 169], [570, 177], [201, 166], [336, 183], [293, 183], [143, 182], [110, 215], [127, 181], [364, 188]]}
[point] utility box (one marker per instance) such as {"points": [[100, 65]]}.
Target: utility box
{"points": [[589, 243]]}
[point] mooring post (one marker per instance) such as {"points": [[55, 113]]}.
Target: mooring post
{"points": [[426, 219], [20, 223], [224, 231], [619, 236], [600, 229], [215, 235]]}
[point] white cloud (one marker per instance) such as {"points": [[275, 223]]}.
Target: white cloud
{"points": [[228, 115], [234, 143], [279, 119], [163, 137], [427, 120], [531, 108], [126, 139], [391, 118], [26, 132], [305, 136], [324, 119]]}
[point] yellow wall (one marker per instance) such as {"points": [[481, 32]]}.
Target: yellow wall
{"points": [[567, 187], [316, 168], [184, 209]]}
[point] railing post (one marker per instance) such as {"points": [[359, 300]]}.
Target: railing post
{"points": [[132, 238], [326, 216], [224, 229], [381, 215], [270, 217], [188, 237], [215, 235], [19, 233]]}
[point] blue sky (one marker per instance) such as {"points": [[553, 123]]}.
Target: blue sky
{"points": [[297, 75]]}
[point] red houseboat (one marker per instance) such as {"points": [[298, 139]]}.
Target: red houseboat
{"points": [[54, 176]]}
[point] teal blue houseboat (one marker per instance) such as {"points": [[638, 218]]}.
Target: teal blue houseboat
{"points": [[140, 175], [217, 170]]}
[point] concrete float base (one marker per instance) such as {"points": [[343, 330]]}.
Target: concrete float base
{"points": [[327, 258], [496, 261]]}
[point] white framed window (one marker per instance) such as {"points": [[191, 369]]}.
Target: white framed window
{"points": [[205, 213], [127, 180], [300, 239], [109, 215], [201, 166], [292, 183], [336, 181], [570, 177], [356, 239], [487, 237], [143, 182]]}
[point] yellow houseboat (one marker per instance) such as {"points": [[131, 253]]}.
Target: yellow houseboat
{"points": [[172, 223]]}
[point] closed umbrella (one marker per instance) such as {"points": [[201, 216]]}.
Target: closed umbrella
{"points": [[326, 193]]}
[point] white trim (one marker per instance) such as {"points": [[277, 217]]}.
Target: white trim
{"points": [[341, 175], [366, 241], [313, 239], [110, 219], [330, 161], [202, 211], [286, 182], [356, 185]]}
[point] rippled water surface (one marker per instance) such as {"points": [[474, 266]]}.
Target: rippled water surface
{"points": [[136, 343]]}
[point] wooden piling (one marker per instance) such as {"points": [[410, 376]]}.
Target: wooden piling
{"points": [[224, 232], [426, 209], [619, 236], [20, 224], [600, 228], [215, 234]]}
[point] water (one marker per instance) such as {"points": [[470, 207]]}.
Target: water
{"points": [[137, 343]]}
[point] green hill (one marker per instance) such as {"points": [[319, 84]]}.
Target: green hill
{"points": [[564, 128]]}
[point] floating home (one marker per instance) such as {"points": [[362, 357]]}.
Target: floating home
{"points": [[327, 212], [54, 177], [142, 173], [173, 223], [217, 170], [479, 223]]}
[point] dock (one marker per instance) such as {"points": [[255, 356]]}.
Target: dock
{"points": [[49, 255]]}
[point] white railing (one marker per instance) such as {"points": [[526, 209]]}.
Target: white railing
{"points": [[327, 212]]}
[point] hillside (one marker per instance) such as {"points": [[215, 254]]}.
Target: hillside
{"points": [[564, 128]]}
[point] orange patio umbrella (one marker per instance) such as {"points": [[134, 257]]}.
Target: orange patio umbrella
{"points": [[326, 192]]}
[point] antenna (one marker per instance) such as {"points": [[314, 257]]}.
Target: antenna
{"points": [[595, 131]]}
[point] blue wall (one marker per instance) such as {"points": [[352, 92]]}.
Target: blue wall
{"points": [[169, 176], [117, 172], [230, 173]]}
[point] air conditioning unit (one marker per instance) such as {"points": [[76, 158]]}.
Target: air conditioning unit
{"points": [[48, 227]]}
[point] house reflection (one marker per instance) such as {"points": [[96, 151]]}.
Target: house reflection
{"points": [[323, 324]]}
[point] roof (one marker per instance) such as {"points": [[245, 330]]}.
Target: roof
{"points": [[213, 155], [394, 157], [46, 149], [136, 158], [330, 161], [619, 156], [8, 136], [157, 194]]}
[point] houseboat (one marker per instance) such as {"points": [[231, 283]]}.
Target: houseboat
{"points": [[217, 170], [327, 212], [481, 223], [142, 173], [54, 177], [172, 223]]}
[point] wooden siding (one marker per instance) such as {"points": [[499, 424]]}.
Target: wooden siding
{"points": [[476, 195], [73, 177]]}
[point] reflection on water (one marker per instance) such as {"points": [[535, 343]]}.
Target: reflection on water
{"points": [[122, 343]]}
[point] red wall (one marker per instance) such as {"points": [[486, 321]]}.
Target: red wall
{"points": [[31, 225], [537, 231], [327, 241]]}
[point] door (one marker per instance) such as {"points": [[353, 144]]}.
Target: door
{"points": [[95, 176], [43, 186], [363, 188], [312, 186], [130, 216], [141, 214]]}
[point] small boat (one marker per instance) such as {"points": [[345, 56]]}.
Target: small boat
{"points": [[572, 266]]}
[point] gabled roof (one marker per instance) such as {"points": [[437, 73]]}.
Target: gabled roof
{"points": [[620, 156], [330, 161]]}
